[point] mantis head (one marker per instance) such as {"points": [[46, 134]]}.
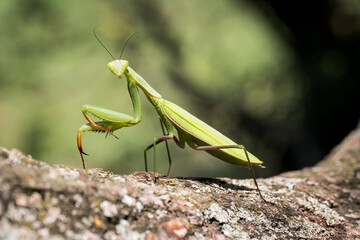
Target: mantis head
{"points": [[118, 67]]}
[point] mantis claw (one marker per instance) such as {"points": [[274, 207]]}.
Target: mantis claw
{"points": [[82, 152], [80, 148], [82, 158]]}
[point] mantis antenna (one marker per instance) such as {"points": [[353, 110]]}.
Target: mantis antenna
{"points": [[126, 44], [102, 43]]}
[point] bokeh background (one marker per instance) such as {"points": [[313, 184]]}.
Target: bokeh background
{"points": [[280, 78]]}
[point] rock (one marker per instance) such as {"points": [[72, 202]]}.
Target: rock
{"points": [[42, 201]]}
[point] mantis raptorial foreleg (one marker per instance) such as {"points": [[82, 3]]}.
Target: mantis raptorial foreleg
{"points": [[110, 120]]}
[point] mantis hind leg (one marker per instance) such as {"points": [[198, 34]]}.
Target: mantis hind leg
{"points": [[207, 148]]}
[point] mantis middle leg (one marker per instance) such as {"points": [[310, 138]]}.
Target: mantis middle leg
{"points": [[158, 140]]}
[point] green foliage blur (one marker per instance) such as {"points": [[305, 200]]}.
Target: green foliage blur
{"points": [[219, 60]]}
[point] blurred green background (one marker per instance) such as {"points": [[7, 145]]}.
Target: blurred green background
{"points": [[280, 79]]}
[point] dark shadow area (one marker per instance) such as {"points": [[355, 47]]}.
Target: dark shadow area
{"points": [[219, 182]]}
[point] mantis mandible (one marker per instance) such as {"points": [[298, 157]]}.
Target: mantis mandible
{"points": [[191, 130]]}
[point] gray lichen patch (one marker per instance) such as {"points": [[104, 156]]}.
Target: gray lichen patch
{"points": [[304, 228], [329, 215], [216, 212]]}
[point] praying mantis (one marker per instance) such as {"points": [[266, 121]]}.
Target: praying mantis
{"points": [[190, 130]]}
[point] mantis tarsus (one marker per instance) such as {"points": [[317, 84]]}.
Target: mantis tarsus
{"points": [[191, 130]]}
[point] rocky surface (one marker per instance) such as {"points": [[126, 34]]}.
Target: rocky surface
{"points": [[42, 201]]}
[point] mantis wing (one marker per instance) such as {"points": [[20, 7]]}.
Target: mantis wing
{"points": [[208, 135]]}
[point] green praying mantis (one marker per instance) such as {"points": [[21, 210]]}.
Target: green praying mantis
{"points": [[191, 130]]}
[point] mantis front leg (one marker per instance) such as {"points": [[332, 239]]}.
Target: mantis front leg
{"points": [[109, 120]]}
